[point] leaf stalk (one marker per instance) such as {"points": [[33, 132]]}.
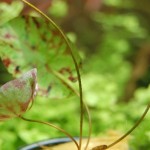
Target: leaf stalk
{"points": [[76, 67]]}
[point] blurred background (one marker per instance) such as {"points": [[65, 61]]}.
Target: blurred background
{"points": [[112, 37]]}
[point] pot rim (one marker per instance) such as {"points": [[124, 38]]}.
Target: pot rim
{"points": [[53, 141]]}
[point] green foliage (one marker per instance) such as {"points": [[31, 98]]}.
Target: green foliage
{"points": [[127, 27], [28, 42], [22, 133], [32, 42], [59, 5], [118, 3], [8, 12], [24, 44]]}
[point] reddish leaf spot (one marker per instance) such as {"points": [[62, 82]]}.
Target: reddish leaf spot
{"points": [[5, 86], [7, 1], [18, 84], [73, 79], [23, 106], [7, 62], [8, 36], [33, 74], [3, 117], [69, 73], [65, 70]]}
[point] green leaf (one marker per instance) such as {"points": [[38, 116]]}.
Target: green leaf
{"points": [[16, 95], [29, 42], [9, 11]]}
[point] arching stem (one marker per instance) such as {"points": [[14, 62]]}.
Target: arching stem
{"points": [[49, 124], [131, 130], [75, 63], [77, 93]]}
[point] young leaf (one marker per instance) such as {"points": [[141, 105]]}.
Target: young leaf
{"points": [[16, 95]]}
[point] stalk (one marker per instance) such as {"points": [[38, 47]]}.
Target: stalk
{"points": [[129, 132], [57, 75], [132, 129], [75, 63], [51, 125]]}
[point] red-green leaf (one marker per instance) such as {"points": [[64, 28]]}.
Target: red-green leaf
{"points": [[16, 95]]}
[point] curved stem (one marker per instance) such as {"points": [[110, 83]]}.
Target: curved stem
{"points": [[126, 134], [133, 128], [76, 92], [75, 63], [49, 124]]}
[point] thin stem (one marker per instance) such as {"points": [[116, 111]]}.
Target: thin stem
{"points": [[49, 124], [90, 126], [75, 63], [132, 129], [76, 92]]}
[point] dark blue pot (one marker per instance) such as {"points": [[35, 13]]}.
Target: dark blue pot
{"points": [[50, 142]]}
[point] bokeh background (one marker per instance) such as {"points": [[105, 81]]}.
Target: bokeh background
{"points": [[112, 38]]}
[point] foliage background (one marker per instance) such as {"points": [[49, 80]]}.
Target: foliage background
{"points": [[112, 37]]}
